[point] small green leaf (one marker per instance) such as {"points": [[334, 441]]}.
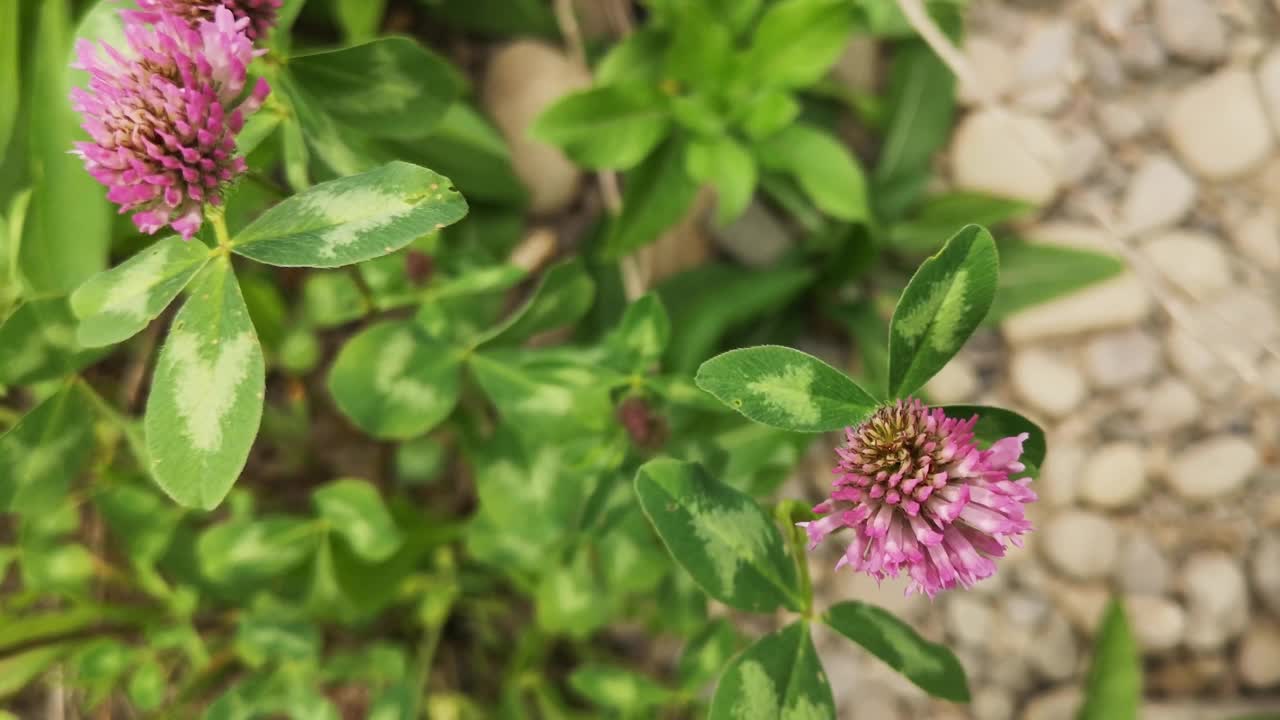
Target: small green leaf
{"points": [[617, 688], [785, 388], [38, 342], [147, 685], [930, 666], [355, 511], [351, 219], [264, 637], [390, 87], [1113, 690], [767, 113], [780, 676], [637, 58], [545, 398], [829, 174], [571, 598], [706, 654], [563, 296], [330, 299], [16, 671], [247, 552], [657, 195], [796, 41], [359, 19], [207, 393], [395, 382], [143, 520], [45, 452], [68, 224], [1033, 273], [115, 305], [719, 536], [614, 126], [467, 149], [638, 341], [940, 215], [729, 168], [921, 106], [945, 301], [995, 423]]}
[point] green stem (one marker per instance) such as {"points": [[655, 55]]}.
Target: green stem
{"points": [[217, 218]]}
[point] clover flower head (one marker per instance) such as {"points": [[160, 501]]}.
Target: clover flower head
{"points": [[919, 496], [261, 14], [163, 117]]}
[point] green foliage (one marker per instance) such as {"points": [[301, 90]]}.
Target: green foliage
{"points": [[1114, 686], [785, 388], [947, 298], [778, 676], [930, 666]]}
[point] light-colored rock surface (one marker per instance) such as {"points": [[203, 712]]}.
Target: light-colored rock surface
{"points": [[1259, 656], [1012, 155], [1269, 85], [1169, 405], [1257, 237], [1121, 359], [756, 238], [1264, 570], [1159, 194], [1060, 704], [1051, 384], [1219, 127], [1191, 29], [957, 381], [1083, 545], [1214, 468], [992, 62], [522, 79], [1114, 477], [1217, 600], [1143, 568], [1158, 624], [1190, 260]]}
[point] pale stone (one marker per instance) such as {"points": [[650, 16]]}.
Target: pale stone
{"points": [[1191, 261], [522, 80], [1084, 152], [1046, 53], [989, 703], [1269, 84], [1054, 652], [1160, 194], [968, 619], [1140, 50], [1264, 568], [1191, 29], [1258, 659], [1081, 544], [756, 238], [1214, 468], [1120, 121], [1007, 154], [1115, 17], [1217, 600], [1158, 624], [857, 68], [992, 64], [955, 382], [1218, 126], [1257, 236], [1114, 477], [1060, 704], [1170, 405], [1044, 380], [1123, 358], [1060, 476], [1143, 568], [1083, 605]]}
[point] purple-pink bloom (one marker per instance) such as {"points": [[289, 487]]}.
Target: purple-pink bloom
{"points": [[163, 118], [918, 495], [260, 13]]}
